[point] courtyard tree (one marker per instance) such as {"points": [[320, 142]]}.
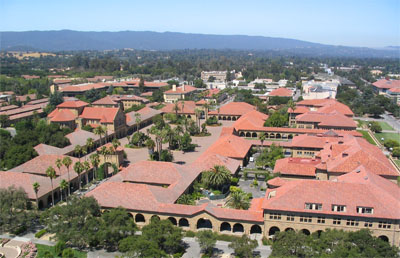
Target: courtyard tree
{"points": [[78, 168], [67, 163], [63, 186], [95, 161], [100, 132], [244, 246], [216, 177], [51, 173], [36, 187], [207, 240], [238, 200]]}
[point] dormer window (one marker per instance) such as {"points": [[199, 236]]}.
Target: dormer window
{"points": [[338, 208], [344, 154], [365, 210], [313, 206]]}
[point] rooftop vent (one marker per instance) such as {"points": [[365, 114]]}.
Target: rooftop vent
{"points": [[358, 171]]}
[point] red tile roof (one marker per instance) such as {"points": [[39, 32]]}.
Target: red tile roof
{"points": [[181, 90], [230, 146], [212, 92], [63, 115], [299, 110], [107, 100], [281, 92], [252, 120], [355, 189], [326, 106], [234, 108], [296, 166], [334, 119], [83, 88], [105, 115], [208, 160], [145, 114], [387, 84], [188, 107], [276, 182], [73, 104]]}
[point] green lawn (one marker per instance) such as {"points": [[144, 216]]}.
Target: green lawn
{"points": [[41, 249], [360, 123], [367, 136], [386, 136], [397, 161], [386, 126]]}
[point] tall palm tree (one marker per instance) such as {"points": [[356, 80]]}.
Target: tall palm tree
{"points": [[63, 186], [89, 144], [176, 108], [262, 138], [78, 151], [86, 167], [51, 173], [95, 160], [67, 163], [197, 112], [115, 143], [217, 177], [36, 187], [84, 151], [238, 200], [138, 119], [59, 165], [78, 167], [206, 107], [100, 132]]}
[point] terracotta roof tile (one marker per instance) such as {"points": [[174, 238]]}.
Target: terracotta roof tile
{"points": [[181, 90], [63, 115], [72, 104], [234, 108], [281, 92], [105, 115], [296, 166], [387, 84]]}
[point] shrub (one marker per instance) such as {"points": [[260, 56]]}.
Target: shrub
{"points": [[255, 182], [396, 152], [59, 248], [190, 234], [234, 181], [68, 253], [375, 127], [40, 233], [266, 241], [391, 143]]}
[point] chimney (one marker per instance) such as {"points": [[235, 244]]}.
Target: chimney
{"points": [[174, 87], [183, 87]]}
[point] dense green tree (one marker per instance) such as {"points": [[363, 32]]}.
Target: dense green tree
{"points": [[207, 240], [244, 246], [268, 157], [137, 246], [216, 177], [276, 120], [16, 213], [238, 200], [375, 127]]}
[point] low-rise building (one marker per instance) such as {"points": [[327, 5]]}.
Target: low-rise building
{"points": [[178, 93], [123, 101], [218, 75], [383, 85], [112, 119]]}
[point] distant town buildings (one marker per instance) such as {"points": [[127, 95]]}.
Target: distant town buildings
{"points": [[217, 75]]}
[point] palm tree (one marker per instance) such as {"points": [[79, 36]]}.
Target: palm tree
{"points": [[89, 144], [206, 107], [218, 109], [51, 173], [63, 186], [95, 160], [150, 145], [185, 199], [176, 108], [115, 143], [138, 119], [84, 151], [197, 112], [262, 138], [217, 177], [99, 131], [78, 167], [86, 167], [36, 187], [238, 200], [59, 165], [78, 151], [67, 162]]}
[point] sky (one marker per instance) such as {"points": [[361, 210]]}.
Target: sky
{"points": [[367, 23]]}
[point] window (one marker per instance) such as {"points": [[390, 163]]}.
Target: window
{"points": [[313, 206], [321, 220], [352, 222], [338, 208], [306, 219], [384, 224], [365, 210], [336, 221], [290, 217], [276, 216], [368, 224]]}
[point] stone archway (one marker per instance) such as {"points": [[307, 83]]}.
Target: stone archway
{"points": [[229, 118], [289, 229], [238, 228], [248, 134], [41, 205], [204, 224], [278, 136], [173, 220], [155, 218], [255, 229], [183, 222], [225, 227], [273, 230], [241, 134], [305, 232], [139, 218], [254, 135], [384, 238]]}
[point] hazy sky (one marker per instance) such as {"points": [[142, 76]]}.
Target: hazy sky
{"points": [[370, 23]]}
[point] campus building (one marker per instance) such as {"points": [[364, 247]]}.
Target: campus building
{"points": [[178, 93]]}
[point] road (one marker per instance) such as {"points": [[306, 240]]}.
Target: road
{"points": [[392, 121]]}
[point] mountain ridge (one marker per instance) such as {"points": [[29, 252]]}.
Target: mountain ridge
{"points": [[70, 40]]}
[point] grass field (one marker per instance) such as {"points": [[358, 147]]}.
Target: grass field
{"points": [[367, 137], [22, 55], [360, 123], [41, 250], [385, 126], [387, 136]]}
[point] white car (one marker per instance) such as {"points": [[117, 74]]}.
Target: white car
{"points": [[251, 159]]}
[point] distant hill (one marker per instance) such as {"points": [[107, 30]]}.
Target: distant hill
{"points": [[147, 40]]}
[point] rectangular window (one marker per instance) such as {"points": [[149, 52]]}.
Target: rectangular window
{"points": [[336, 221], [290, 217], [365, 210], [313, 206], [276, 216], [384, 224], [321, 220], [307, 219], [368, 224], [352, 222], [338, 208]]}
